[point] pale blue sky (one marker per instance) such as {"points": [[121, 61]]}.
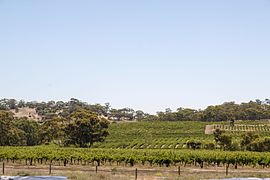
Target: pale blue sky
{"points": [[144, 54]]}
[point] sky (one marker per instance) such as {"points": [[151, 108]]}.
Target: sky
{"points": [[144, 54]]}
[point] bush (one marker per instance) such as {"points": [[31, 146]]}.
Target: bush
{"points": [[259, 145], [193, 144], [210, 146]]}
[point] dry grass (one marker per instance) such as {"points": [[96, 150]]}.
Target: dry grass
{"points": [[144, 173]]}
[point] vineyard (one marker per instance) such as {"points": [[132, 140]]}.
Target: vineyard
{"points": [[154, 135], [99, 157], [173, 135], [243, 128]]}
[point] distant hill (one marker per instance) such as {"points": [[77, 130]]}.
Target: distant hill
{"points": [[228, 111], [48, 110]]}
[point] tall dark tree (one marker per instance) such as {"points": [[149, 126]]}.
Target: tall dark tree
{"points": [[247, 139], [10, 135], [30, 130], [6, 120], [85, 128], [52, 130], [222, 139]]}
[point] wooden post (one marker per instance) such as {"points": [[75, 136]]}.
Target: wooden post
{"points": [[3, 170], [178, 170], [136, 173], [227, 169], [96, 169], [50, 169]]}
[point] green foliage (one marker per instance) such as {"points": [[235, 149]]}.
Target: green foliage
{"points": [[191, 144], [248, 138], [132, 156], [29, 131], [52, 130], [228, 111], [82, 128], [217, 135], [154, 134], [85, 128], [210, 146], [259, 145], [222, 139], [225, 141], [247, 141], [9, 133], [253, 126]]}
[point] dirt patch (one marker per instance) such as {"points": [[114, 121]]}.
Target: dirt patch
{"points": [[27, 112], [209, 129]]}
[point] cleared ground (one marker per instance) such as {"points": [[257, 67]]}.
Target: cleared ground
{"points": [[143, 173]]}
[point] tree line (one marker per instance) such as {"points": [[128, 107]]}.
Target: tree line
{"points": [[80, 129], [228, 111], [253, 110], [52, 109]]}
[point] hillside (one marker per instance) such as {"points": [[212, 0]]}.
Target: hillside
{"points": [[129, 128], [169, 135], [228, 111], [155, 134]]}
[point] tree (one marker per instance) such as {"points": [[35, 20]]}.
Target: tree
{"points": [[122, 114], [98, 109], [30, 131], [224, 140], [6, 119], [85, 128], [115, 115], [186, 114], [259, 145], [191, 144], [21, 104], [139, 115], [168, 115], [107, 108], [52, 130], [10, 135], [232, 122], [248, 138], [217, 134], [16, 137], [12, 103], [168, 110]]}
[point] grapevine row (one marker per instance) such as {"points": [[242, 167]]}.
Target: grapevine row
{"points": [[243, 128], [133, 156]]}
